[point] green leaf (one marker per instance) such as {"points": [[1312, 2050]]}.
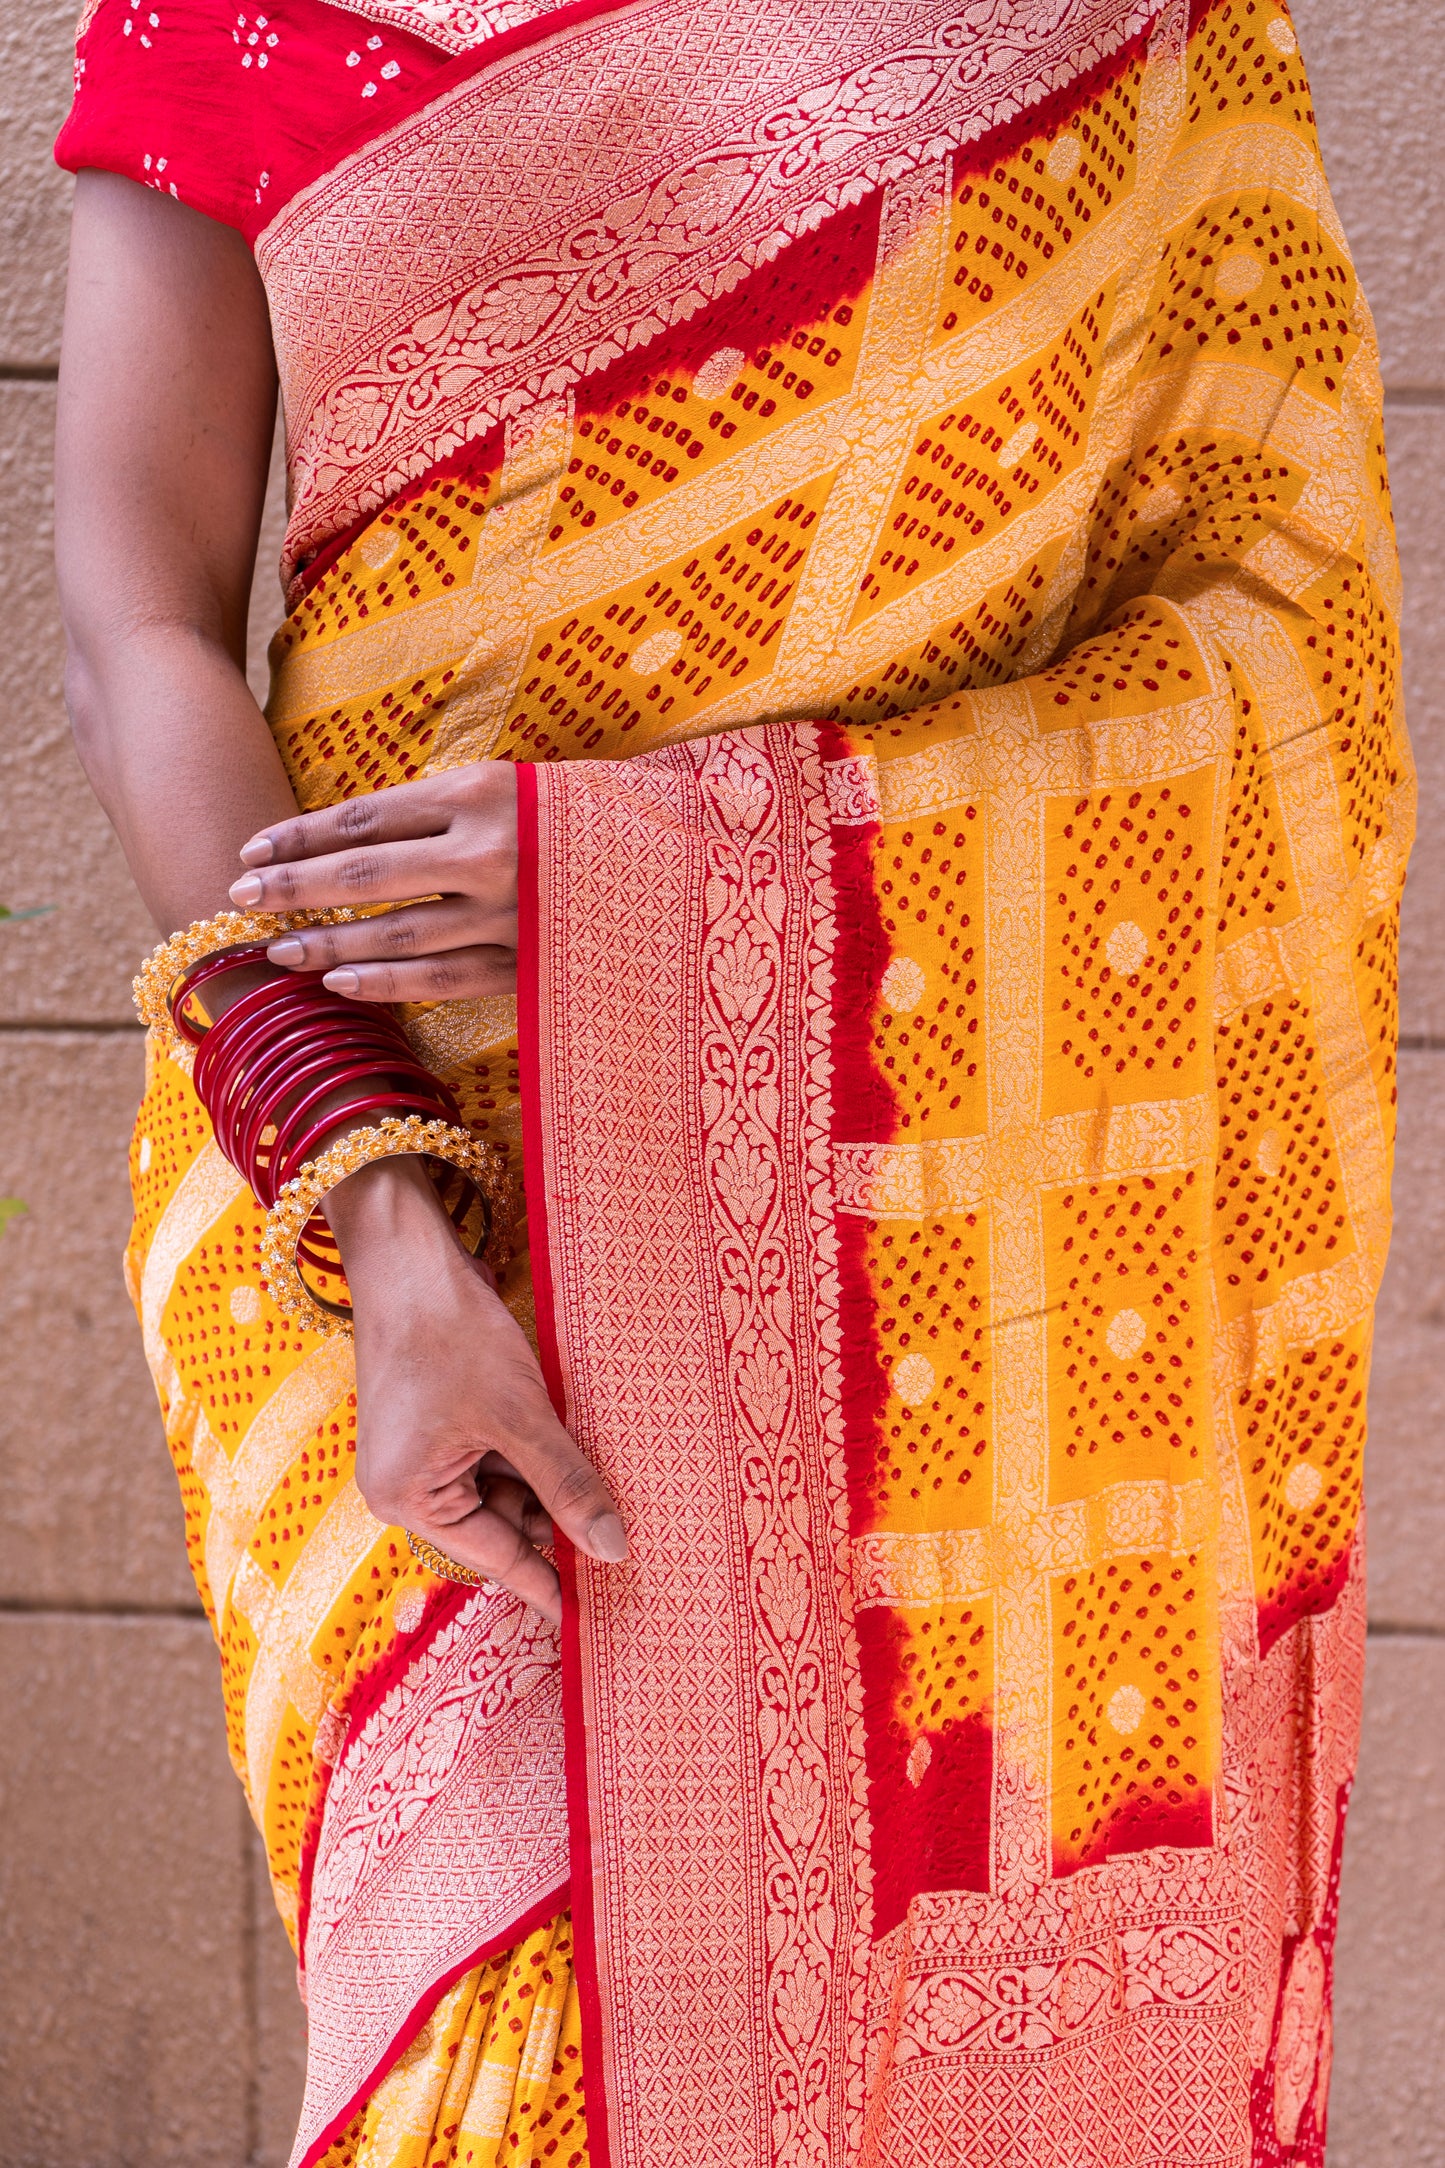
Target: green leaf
{"points": [[11, 1208], [36, 910]]}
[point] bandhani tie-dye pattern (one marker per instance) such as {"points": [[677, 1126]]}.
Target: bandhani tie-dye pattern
{"points": [[907, 481], [492, 2077]]}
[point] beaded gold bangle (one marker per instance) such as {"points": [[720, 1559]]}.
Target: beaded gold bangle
{"points": [[155, 982], [482, 1165], [441, 1564]]}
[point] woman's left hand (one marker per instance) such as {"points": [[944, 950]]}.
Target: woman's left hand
{"points": [[450, 837]]}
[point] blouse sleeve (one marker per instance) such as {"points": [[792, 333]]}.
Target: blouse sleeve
{"points": [[229, 108], [155, 103]]}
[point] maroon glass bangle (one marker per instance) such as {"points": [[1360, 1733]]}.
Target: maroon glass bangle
{"points": [[309, 1083], [376, 1103], [326, 1069], [369, 1113], [290, 1040], [284, 1135], [269, 990], [318, 1225], [223, 962], [265, 1067], [319, 1228], [331, 1065], [263, 1058], [290, 1153], [279, 1024], [232, 1062], [331, 1074], [273, 1105], [244, 1028], [270, 1002]]}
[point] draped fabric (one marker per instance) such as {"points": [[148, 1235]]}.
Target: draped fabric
{"points": [[905, 480], [492, 2075]]}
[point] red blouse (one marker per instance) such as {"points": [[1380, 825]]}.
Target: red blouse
{"points": [[232, 107]]}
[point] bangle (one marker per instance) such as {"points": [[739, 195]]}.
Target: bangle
{"points": [[303, 1127], [155, 982], [441, 1564], [218, 965], [263, 1068], [482, 1166]]}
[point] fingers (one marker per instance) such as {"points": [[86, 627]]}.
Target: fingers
{"points": [[385, 873], [487, 1542], [418, 929], [408, 810], [572, 1493], [398, 813], [449, 1388], [530, 1444], [458, 975], [499, 1537], [517, 1504], [491, 1522], [539, 1457], [447, 951], [442, 835]]}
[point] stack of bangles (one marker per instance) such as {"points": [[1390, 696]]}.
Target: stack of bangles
{"points": [[287, 1064], [284, 1065]]}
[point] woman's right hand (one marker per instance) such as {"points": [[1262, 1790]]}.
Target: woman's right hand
{"points": [[456, 1439]]}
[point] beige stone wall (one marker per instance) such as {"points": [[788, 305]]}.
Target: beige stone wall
{"points": [[148, 2010], [147, 2015]]}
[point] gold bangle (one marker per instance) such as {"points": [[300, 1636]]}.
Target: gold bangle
{"points": [[482, 1165], [438, 1562], [155, 982]]}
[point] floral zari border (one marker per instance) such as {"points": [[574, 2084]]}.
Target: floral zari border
{"points": [[680, 1131], [564, 203], [679, 943], [444, 1839], [680, 939]]}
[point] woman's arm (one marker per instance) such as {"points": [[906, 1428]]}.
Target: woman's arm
{"points": [[167, 403]]}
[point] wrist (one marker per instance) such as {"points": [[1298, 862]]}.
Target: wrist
{"points": [[388, 1207]]}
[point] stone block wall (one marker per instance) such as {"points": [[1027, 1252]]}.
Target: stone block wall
{"points": [[148, 2016], [148, 2007]]}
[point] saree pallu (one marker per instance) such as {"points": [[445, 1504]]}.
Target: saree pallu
{"points": [[905, 482]]}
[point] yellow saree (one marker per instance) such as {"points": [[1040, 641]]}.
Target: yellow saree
{"points": [[984, 1070]]}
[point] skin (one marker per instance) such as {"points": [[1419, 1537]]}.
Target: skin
{"points": [[166, 410]]}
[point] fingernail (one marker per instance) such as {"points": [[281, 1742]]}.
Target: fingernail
{"points": [[340, 982], [247, 890], [258, 852], [607, 1539], [289, 951]]}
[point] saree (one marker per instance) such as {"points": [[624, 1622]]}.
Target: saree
{"points": [[904, 480]]}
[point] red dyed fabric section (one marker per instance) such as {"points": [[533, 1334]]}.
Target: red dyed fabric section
{"points": [[230, 109]]}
